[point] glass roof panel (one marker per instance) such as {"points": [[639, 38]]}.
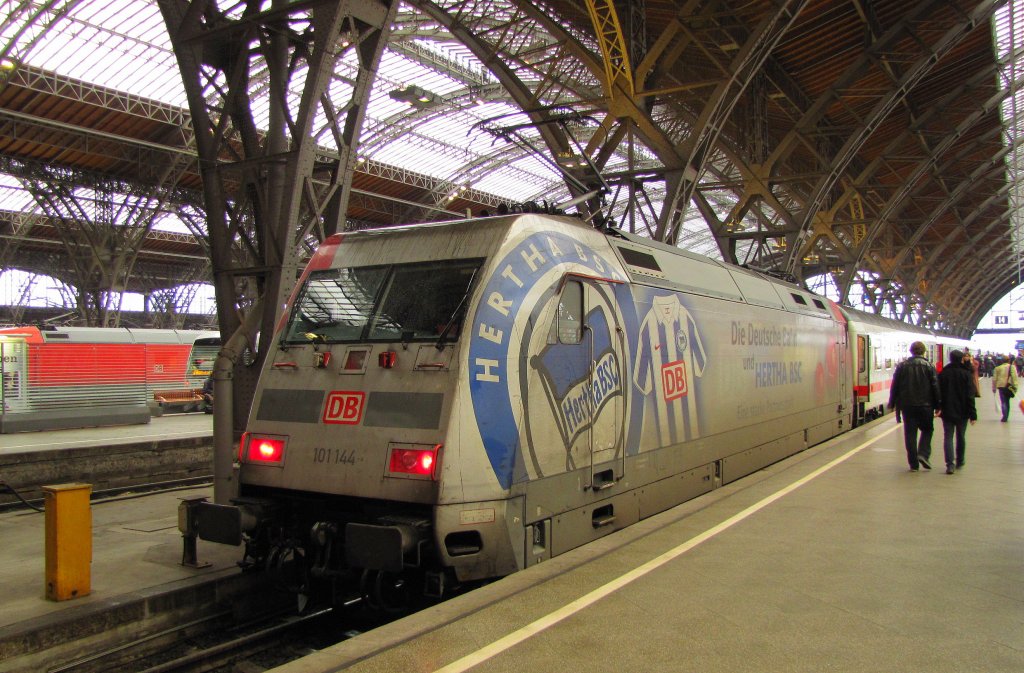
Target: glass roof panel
{"points": [[122, 45], [14, 197]]}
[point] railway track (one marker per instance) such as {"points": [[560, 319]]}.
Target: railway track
{"points": [[215, 643], [224, 642], [111, 494]]}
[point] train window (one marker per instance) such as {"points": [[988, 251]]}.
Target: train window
{"points": [[336, 305], [862, 352], [643, 260], [424, 301], [570, 313], [410, 302], [819, 304], [798, 299]]}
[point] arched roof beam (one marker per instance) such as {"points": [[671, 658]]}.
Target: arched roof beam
{"points": [[984, 173], [991, 168], [633, 110], [656, 72], [898, 197], [965, 280], [718, 107], [493, 54], [928, 54], [867, 177], [983, 294], [25, 24], [619, 103], [933, 267]]}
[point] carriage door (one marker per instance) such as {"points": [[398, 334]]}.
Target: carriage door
{"points": [[592, 403], [13, 367], [843, 364]]}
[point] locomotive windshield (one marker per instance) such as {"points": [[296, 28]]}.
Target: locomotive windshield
{"points": [[402, 302]]}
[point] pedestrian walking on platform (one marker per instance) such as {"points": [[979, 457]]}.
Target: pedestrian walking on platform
{"points": [[975, 366], [956, 387], [1004, 380], [915, 392]]}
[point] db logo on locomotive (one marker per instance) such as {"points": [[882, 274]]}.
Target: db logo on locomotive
{"points": [[344, 407]]}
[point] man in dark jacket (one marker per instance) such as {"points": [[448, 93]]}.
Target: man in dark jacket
{"points": [[956, 383], [915, 392]]}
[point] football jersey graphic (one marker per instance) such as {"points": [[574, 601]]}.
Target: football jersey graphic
{"points": [[670, 356]]}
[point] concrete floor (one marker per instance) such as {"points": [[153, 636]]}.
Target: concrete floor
{"points": [[136, 545]]}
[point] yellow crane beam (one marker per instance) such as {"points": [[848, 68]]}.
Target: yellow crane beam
{"points": [[618, 71]]}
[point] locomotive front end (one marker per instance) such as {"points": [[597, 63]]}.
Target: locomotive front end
{"points": [[341, 462]]}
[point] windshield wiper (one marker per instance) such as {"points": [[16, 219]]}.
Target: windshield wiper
{"points": [[455, 314]]}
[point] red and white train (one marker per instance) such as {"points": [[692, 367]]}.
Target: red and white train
{"points": [[879, 344], [60, 377]]}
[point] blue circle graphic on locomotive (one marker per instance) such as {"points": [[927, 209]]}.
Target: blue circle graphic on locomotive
{"points": [[529, 393], [578, 382]]}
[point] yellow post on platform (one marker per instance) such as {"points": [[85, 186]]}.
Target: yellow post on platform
{"points": [[68, 541]]}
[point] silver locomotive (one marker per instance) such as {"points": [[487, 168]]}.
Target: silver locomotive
{"points": [[461, 400]]}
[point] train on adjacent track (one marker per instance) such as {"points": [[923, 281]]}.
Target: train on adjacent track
{"points": [[457, 401], [63, 377]]}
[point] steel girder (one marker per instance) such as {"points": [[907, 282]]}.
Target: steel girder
{"points": [[26, 22], [814, 182], [76, 90], [159, 167], [21, 231], [905, 148], [102, 223], [936, 159], [710, 123], [273, 189], [498, 39], [771, 188]]}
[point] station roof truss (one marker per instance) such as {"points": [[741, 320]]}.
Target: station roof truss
{"points": [[866, 149]]}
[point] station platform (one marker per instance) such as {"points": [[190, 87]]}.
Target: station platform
{"points": [[835, 559], [136, 547], [170, 426], [173, 447]]}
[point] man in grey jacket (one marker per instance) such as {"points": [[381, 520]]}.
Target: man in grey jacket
{"points": [[915, 392]]}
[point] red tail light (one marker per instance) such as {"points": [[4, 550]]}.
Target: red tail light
{"points": [[263, 450], [419, 463]]}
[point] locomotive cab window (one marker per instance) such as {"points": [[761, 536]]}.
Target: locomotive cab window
{"points": [[408, 302]]}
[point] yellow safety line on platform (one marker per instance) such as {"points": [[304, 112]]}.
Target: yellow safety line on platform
{"points": [[539, 625]]}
